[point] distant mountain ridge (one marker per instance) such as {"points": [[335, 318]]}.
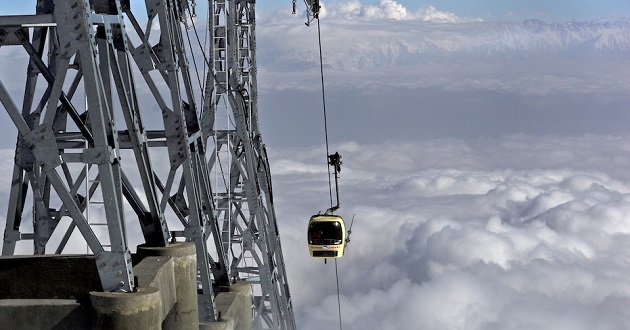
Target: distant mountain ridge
{"points": [[352, 45], [599, 34]]}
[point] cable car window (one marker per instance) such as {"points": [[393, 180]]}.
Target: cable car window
{"points": [[323, 233]]}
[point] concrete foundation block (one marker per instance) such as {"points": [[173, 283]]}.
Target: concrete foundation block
{"points": [[242, 312], [185, 312], [74, 276], [235, 308], [159, 273], [35, 314], [127, 310]]}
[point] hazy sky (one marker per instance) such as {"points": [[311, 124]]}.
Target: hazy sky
{"points": [[439, 75], [486, 160], [485, 9], [486, 164]]}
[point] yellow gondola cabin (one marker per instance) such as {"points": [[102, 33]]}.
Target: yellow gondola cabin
{"points": [[326, 236]]}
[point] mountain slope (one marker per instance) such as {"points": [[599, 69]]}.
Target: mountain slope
{"points": [[370, 44]]}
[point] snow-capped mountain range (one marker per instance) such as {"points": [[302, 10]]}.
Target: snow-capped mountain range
{"points": [[370, 44]]}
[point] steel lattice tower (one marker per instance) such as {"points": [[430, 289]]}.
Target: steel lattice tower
{"points": [[82, 144], [243, 193]]}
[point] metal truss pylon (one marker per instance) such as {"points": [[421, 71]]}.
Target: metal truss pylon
{"points": [[243, 191], [81, 110]]}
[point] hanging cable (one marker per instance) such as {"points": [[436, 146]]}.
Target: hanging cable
{"points": [[336, 162], [195, 64], [205, 44], [338, 296], [321, 70], [206, 65], [202, 47]]}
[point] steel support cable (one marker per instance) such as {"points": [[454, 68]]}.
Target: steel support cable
{"points": [[205, 44], [195, 65], [206, 63], [207, 66], [338, 296], [321, 69], [203, 52]]}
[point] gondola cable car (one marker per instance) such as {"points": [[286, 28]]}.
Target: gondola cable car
{"points": [[327, 236]]}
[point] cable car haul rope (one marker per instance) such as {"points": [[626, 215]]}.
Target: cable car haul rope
{"points": [[326, 234]]}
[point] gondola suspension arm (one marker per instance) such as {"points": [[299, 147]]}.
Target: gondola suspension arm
{"points": [[334, 161]]}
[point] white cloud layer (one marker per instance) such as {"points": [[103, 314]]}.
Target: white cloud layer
{"points": [[508, 233], [388, 9]]}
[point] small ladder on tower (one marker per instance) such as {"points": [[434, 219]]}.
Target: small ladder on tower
{"points": [[98, 224], [223, 126]]}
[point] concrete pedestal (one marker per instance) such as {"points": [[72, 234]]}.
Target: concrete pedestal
{"points": [[235, 308], [127, 310], [185, 313]]}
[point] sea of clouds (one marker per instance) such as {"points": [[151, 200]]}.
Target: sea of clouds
{"points": [[508, 233]]}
